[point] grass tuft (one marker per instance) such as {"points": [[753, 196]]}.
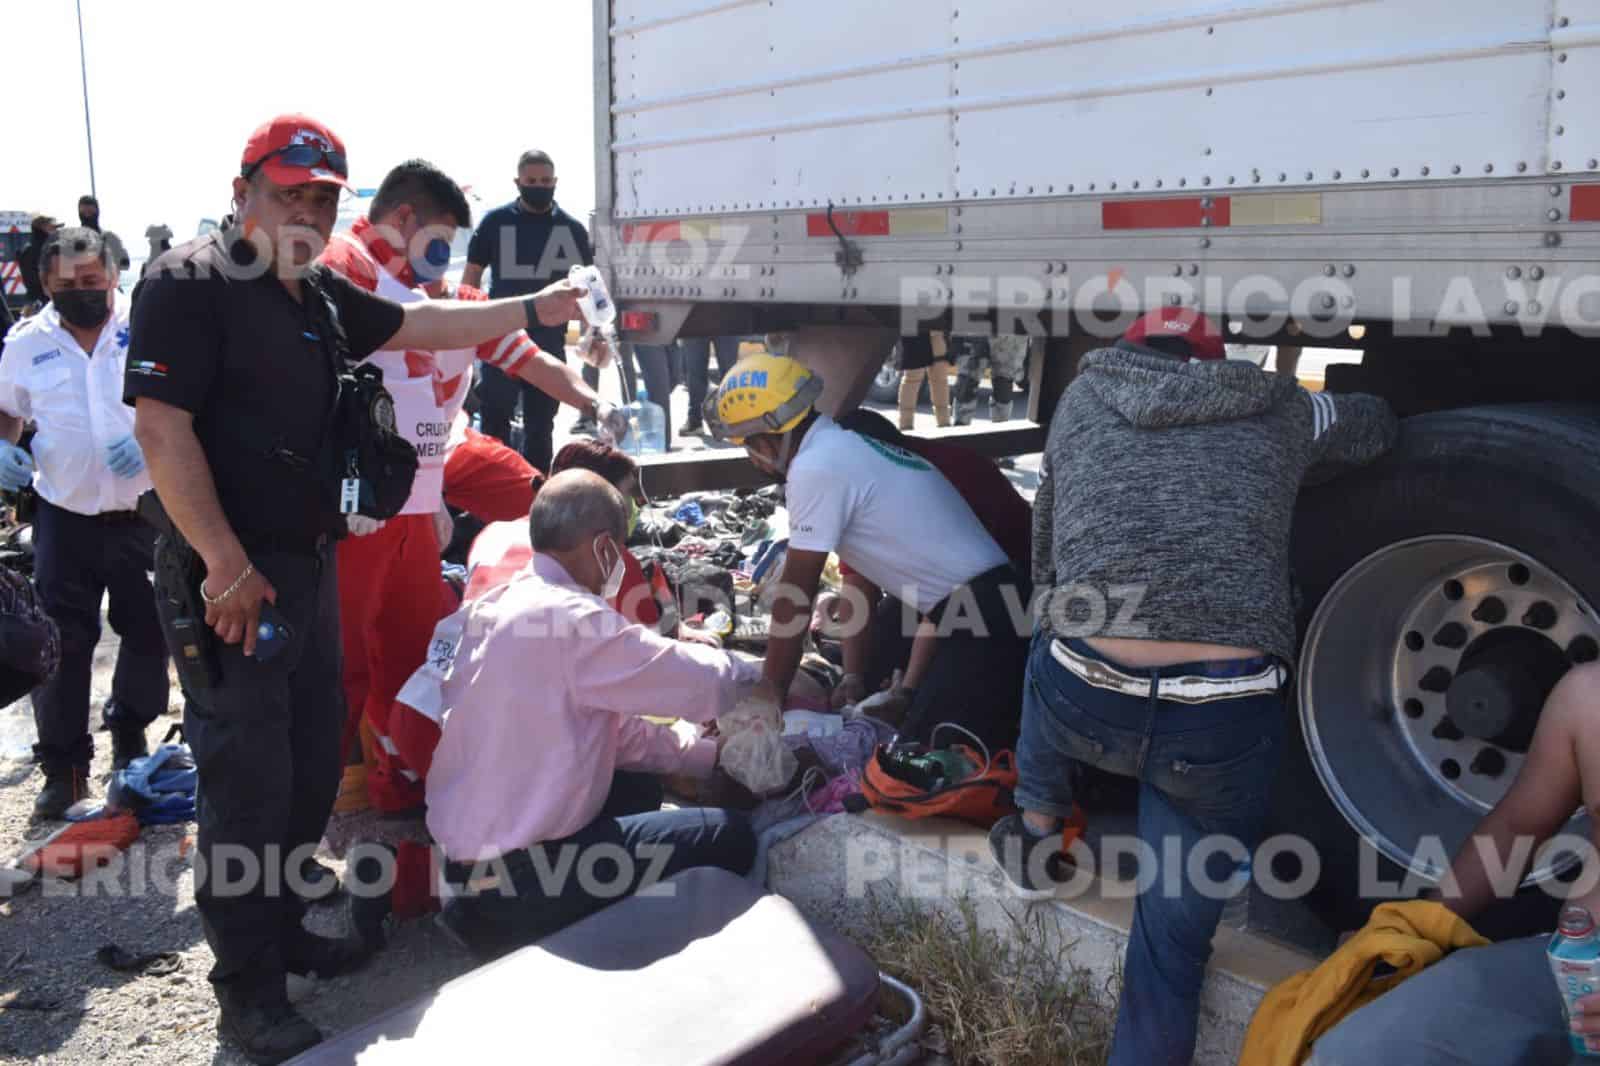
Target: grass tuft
{"points": [[1013, 1000]]}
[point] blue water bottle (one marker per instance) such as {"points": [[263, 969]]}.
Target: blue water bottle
{"points": [[1575, 960], [647, 425]]}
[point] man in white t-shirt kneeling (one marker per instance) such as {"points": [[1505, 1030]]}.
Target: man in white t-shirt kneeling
{"points": [[894, 519]]}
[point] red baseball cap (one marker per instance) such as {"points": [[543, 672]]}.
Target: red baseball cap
{"points": [[296, 150], [1198, 331]]}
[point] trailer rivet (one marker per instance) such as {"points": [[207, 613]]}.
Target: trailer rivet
{"points": [[1563, 21], [1425, 171], [1205, 242], [1193, 269], [1255, 179], [1552, 240], [1561, 57], [1347, 302], [1560, 130], [1136, 183], [1337, 175], [1522, 168], [1030, 190], [1488, 168], [1513, 273], [1061, 268], [1365, 173], [1511, 307], [1534, 307], [1394, 172], [1159, 183], [1206, 180], [1049, 268], [1456, 169], [1282, 176], [1309, 175], [1349, 270], [1177, 270], [1561, 94], [1593, 163], [1328, 271], [1113, 186], [1051, 188], [1070, 188], [1182, 182], [1536, 273], [1556, 165], [1327, 302], [1553, 215], [1209, 91]]}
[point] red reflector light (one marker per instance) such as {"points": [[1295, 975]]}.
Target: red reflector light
{"points": [[1586, 203], [638, 321]]}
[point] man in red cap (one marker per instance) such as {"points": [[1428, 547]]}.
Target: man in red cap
{"points": [[1166, 631], [237, 340]]}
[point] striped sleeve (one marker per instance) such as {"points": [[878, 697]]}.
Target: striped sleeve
{"points": [[509, 353]]}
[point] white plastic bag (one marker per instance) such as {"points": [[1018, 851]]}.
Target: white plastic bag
{"points": [[753, 751]]}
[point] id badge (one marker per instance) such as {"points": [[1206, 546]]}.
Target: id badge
{"points": [[349, 495]]}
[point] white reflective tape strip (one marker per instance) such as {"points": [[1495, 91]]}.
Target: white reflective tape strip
{"points": [[1326, 412], [386, 744], [509, 341], [1333, 410], [409, 776]]}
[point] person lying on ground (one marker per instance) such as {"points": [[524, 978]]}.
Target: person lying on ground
{"points": [[1498, 1004]]}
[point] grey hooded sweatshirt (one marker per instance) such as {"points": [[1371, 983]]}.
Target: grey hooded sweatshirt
{"points": [[1167, 494]]}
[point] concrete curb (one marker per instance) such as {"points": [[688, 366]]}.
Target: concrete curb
{"points": [[833, 869]]}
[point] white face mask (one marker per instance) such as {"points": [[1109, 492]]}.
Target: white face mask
{"points": [[613, 579]]}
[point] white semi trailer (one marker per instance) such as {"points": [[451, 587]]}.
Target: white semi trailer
{"points": [[1415, 179]]}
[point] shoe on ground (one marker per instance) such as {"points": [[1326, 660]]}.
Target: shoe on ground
{"points": [[128, 743], [267, 1033], [318, 884], [692, 429], [306, 953], [63, 786], [1016, 852]]}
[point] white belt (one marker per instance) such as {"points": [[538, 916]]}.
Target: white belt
{"points": [[1191, 689]]}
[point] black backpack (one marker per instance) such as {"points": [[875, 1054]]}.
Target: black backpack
{"points": [[373, 466]]}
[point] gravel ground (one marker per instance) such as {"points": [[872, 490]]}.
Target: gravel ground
{"points": [[59, 1005]]}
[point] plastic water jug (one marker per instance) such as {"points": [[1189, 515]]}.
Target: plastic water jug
{"points": [[647, 426], [1575, 961]]}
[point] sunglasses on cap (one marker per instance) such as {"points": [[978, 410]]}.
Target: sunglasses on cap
{"points": [[302, 155]]}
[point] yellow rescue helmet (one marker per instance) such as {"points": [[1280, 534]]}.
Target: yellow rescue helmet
{"points": [[761, 394]]}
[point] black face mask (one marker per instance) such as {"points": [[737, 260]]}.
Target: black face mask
{"points": [[83, 308], [538, 197]]}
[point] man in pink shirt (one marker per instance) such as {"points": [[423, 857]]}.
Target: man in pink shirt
{"points": [[541, 693]]}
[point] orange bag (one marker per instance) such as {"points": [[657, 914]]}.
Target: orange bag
{"points": [[982, 798], [72, 851]]}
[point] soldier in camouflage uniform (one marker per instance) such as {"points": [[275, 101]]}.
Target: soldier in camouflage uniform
{"points": [[1006, 355]]}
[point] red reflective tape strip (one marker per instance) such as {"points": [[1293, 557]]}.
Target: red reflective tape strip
{"points": [[1585, 203], [1173, 213], [651, 232], [850, 223]]}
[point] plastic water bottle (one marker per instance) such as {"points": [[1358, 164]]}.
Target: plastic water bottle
{"points": [[596, 303], [1575, 961], [647, 425], [1236, 908]]}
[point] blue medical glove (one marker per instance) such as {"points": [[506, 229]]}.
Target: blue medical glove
{"points": [[125, 458], [16, 467]]}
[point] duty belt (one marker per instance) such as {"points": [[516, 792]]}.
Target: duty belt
{"points": [[1185, 689]]}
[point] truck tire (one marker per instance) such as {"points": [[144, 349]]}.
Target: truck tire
{"points": [[1441, 592]]}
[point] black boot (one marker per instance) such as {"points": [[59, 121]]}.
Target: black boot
{"points": [[267, 1033], [304, 953], [127, 744], [63, 786]]}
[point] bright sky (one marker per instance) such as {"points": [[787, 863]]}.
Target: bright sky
{"points": [[176, 86]]}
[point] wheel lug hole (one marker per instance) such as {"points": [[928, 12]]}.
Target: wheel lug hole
{"points": [[1414, 641], [1518, 574], [1492, 611], [1490, 762], [1541, 615], [1451, 769], [1453, 590], [1452, 635], [1583, 650], [1413, 708], [1436, 680]]}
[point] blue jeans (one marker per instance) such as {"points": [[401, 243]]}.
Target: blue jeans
{"points": [[1203, 770], [697, 361], [1494, 1005]]}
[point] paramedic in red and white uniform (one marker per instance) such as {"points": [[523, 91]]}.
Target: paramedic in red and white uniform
{"points": [[389, 571]]}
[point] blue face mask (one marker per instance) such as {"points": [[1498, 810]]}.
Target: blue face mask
{"points": [[433, 262]]}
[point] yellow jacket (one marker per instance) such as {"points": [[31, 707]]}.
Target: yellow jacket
{"points": [[1408, 936]]}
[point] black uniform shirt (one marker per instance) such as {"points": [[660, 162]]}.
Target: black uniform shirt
{"points": [[228, 344]]}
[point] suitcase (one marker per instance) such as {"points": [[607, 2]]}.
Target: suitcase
{"points": [[709, 972]]}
